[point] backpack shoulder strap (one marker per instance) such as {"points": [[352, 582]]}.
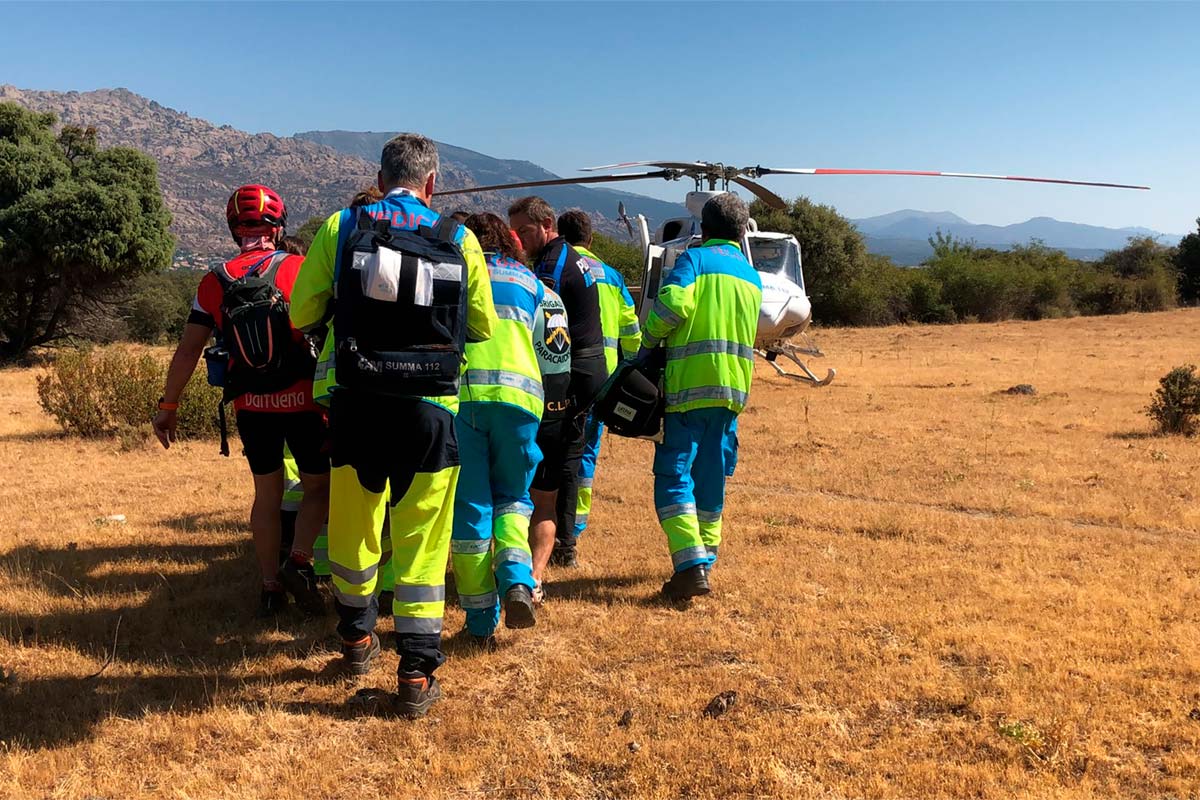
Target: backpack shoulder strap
{"points": [[446, 229], [273, 263]]}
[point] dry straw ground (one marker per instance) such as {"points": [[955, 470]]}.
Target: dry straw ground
{"points": [[928, 590]]}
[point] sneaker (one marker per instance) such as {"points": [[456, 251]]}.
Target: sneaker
{"points": [[357, 657], [537, 594], [272, 602], [518, 607], [417, 692], [301, 582], [689, 583], [564, 557]]}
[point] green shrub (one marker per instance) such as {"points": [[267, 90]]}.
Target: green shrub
{"points": [[1177, 401], [114, 391]]}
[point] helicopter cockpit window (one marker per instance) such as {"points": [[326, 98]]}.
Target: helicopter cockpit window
{"points": [[778, 257]]}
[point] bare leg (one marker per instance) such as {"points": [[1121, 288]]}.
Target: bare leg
{"points": [[314, 508], [541, 529], [264, 522]]}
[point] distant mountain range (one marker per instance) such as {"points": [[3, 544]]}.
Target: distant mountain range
{"points": [[318, 171], [903, 235], [485, 170]]}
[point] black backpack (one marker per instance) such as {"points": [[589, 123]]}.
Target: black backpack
{"points": [[631, 403], [400, 309], [257, 332]]}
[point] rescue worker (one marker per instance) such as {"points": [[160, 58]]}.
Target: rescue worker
{"points": [[500, 398], [383, 309], [569, 274], [706, 315], [266, 421], [619, 323]]}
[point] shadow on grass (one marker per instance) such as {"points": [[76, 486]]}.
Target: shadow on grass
{"points": [[175, 620], [34, 437], [603, 589], [1135, 436]]}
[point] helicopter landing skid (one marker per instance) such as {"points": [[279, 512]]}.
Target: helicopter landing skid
{"points": [[792, 352]]}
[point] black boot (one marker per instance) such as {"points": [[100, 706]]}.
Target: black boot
{"points": [[357, 657], [689, 583], [518, 607], [416, 693], [272, 602], [562, 556]]}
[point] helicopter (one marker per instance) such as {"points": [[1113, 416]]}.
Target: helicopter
{"points": [[786, 311]]}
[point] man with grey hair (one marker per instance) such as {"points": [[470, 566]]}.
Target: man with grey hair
{"points": [[706, 315], [392, 280]]}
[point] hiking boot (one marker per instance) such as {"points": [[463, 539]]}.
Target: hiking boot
{"points": [[691, 582], [518, 607], [357, 657], [564, 557], [272, 602], [301, 582], [417, 692]]}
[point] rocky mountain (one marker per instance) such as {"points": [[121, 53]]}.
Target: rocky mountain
{"points": [[199, 163], [486, 170], [903, 235]]}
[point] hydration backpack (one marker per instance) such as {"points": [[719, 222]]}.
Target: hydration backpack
{"points": [[400, 303], [257, 332]]}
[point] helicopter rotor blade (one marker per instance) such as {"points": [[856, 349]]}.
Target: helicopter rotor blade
{"points": [[930, 174], [637, 176], [761, 192], [663, 164]]}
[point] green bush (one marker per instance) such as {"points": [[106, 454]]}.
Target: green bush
{"points": [[114, 391], [1177, 401]]}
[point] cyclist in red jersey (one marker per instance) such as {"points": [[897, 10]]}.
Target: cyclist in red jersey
{"points": [[265, 421]]}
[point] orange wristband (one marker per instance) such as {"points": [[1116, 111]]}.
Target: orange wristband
{"points": [[163, 406]]}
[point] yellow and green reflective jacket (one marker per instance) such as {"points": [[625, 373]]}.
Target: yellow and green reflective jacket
{"points": [[706, 314], [618, 316], [505, 368], [312, 295]]}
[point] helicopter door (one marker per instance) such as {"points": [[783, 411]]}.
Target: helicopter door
{"points": [[652, 273]]}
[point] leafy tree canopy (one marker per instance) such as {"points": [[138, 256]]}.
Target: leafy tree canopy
{"points": [[78, 224]]}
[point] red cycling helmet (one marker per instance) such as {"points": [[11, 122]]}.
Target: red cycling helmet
{"points": [[255, 209]]}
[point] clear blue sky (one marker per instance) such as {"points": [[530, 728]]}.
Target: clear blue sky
{"points": [[1093, 91]]}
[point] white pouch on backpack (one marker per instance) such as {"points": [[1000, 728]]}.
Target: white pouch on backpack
{"points": [[380, 273]]}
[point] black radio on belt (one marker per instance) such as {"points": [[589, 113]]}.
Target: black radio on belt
{"points": [[631, 402]]}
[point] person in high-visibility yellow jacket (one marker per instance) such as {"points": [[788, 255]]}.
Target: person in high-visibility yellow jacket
{"points": [[501, 397], [706, 315], [619, 322], [383, 440], [293, 495]]}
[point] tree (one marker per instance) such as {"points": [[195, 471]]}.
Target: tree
{"points": [[1187, 265], [159, 305], [308, 231], [624, 257], [78, 224], [833, 252]]}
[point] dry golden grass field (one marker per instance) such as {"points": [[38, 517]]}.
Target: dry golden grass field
{"points": [[928, 589]]}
